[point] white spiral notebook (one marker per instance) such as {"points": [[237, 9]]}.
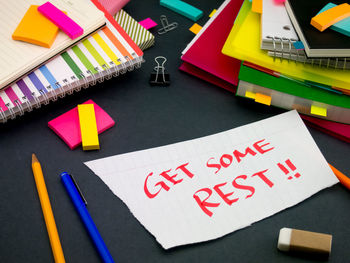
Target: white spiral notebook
{"points": [[277, 31], [17, 57], [107, 53], [278, 36]]}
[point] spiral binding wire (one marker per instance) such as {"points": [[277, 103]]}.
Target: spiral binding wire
{"points": [[62, 91], [84, 80], [3, 115], [29, 107], [290, 51], [46, 98], [115, 71], [68, 86], [53, 93], [19, 106], [123, 67], [99, 77], [36, 103], [12, 112], [108, 70], [93, 81]]}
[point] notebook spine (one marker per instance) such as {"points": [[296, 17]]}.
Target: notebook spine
{"points": [[68, 86]]}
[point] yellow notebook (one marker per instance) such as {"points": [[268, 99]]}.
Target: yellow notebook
{"points": [[35, 28], [243, 43]]}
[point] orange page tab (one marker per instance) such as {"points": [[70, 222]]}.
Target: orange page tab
{"points": [[36, 29]]}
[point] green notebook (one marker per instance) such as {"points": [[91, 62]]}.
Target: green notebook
{"points": [[295, 88]]}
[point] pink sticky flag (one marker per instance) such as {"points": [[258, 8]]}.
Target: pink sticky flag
{"points": [[148, 23], [67, 126], [60, 19]]}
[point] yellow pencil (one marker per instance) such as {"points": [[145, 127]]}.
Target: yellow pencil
{"points": [[47, 211]]}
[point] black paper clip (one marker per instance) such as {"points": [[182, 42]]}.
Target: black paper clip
{"points": [[159, 77], [166, 26]]}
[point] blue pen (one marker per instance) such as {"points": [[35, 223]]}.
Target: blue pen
{"points": [[77, 199]]}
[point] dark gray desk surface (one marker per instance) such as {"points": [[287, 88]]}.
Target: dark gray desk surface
{"points": [[147, 117]]}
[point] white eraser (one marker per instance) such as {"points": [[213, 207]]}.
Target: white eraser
{"points": [[284, 239], [305, 242]]}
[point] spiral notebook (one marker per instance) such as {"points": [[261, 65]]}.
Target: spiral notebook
{"points": [[17, 58], [107, 53], [278, 36]]}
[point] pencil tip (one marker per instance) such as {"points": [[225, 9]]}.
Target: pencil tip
{"points": [[34, 159]]}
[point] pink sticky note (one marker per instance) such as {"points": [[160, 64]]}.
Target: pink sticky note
{"points": [[279, 1], [67, 126], [148, 23], [60, 19]]}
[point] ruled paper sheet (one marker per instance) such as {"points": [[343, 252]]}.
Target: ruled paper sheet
{"points": [[203, 189]]}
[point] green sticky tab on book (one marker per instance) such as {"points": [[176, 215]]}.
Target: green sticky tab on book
{"points": [[320, 111]]}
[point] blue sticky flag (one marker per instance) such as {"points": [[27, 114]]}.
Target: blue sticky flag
{"points": [[298, 45]]}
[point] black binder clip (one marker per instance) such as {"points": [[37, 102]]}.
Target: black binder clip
{"points": [[166, 26], [159, 77]]}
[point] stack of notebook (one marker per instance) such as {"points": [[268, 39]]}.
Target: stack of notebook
{"points": [[106, 51], [284, 27], [313, 89]]}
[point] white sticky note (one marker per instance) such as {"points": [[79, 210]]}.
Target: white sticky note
{"points": [[205, 188]]}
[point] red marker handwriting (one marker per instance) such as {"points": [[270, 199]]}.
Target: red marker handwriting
{"points": [[169, 176], [226, 160], [286, 171], [228, 196]]}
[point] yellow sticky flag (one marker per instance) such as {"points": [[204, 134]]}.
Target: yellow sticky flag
{"points": [[320, 111], [212, 13], [250, 95]]}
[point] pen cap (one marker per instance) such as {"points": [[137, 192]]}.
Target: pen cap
{"points": [[72, 189]]}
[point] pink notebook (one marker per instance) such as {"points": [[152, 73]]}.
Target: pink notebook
{"points": [[204, 51]]}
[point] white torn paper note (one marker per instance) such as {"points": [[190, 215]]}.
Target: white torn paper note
{"points": [[205, 188]]}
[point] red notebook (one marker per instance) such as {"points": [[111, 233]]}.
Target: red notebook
{"points": [[121, 31], [199, 73], [204, 52], [339, 130]]}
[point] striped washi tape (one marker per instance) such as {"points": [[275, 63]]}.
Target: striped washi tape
{"points": [[141, 36]]}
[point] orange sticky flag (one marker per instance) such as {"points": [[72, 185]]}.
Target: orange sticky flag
{"points": [[333, 15]]}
